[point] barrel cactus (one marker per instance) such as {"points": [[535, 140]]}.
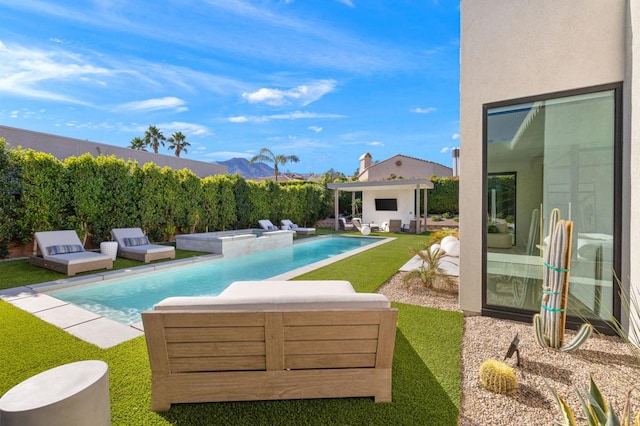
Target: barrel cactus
{"points": [[498, 377]]}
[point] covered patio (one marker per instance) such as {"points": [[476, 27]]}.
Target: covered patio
{"points": [[383, 201]]}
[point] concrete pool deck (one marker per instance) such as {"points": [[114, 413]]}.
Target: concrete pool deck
{"points": [[104, 332]]}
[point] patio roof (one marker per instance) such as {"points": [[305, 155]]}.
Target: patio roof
{"points": [[399, 184], [384, 184]]}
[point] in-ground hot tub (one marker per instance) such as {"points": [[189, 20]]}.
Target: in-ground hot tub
{"points": [[235, 243]]}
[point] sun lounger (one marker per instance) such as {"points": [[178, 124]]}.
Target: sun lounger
{"points": [[287, 224], [133, 244], [63, 252], [267, 225], [270, 340], [344, 225]]}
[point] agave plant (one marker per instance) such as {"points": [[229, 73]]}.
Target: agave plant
{"points": [[594, 406], [596, 409]]}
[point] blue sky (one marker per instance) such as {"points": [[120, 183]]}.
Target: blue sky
{"points": [[326, 80]]}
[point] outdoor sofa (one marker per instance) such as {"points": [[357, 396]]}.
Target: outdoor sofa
{"points": [[133, 244], [63, 252], [268, 340]]}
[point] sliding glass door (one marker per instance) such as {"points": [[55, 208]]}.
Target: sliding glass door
{"points": [[546, 153]]}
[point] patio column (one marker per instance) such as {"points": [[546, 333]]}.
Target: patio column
{"points": [[417, 209], [336, 200]]}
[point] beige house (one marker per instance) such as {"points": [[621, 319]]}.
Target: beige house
{"points": [[399, 167], [549, 119], [62, 147], [393, 190]]}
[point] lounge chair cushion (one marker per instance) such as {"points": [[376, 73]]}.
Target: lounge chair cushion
{"points": [[78, 257], [276, 302], [136, 241], [64, 248], [280, 295], [148, 248]]}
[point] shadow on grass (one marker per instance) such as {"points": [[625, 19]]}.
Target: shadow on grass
{"points": [[418, 398]]}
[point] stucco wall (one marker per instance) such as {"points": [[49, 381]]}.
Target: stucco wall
{"points": [[62, 147], [511, 50], [406, 208], [631, 222], [406, 168]]}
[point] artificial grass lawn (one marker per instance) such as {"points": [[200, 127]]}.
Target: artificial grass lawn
{"points": [[16, 273], [426, 366]]}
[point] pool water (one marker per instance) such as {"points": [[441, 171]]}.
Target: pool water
{"points": [[123, 299]]}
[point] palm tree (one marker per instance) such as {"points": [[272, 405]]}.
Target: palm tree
{"points": [[154, 138], [178, 143], [138, 143], [268, 156]]}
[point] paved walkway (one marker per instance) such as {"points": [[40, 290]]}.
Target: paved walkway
{"points": [[88, 326]]}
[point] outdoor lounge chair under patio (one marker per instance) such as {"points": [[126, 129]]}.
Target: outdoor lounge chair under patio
{"points": [[287, 224], [133, 244], [266, 340], [63, 252]]}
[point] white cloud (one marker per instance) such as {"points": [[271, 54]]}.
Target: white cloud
{"points": [[302, 95], [296, 115], [238, 119], [419, 110], [316, 129], [374, 143], [347, 3], [455, 136], [189, 129], [169, 102], [25, 72], [444, 150]]}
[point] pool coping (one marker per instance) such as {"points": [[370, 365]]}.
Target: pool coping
{"points": [[104, 332]]}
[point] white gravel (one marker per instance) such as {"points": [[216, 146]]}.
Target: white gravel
{"points": [[610, 361]]}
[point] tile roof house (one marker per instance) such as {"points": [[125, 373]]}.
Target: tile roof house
{"points": [[399, 167]]}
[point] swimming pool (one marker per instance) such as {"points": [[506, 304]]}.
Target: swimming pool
{"points": [[123, 299]]}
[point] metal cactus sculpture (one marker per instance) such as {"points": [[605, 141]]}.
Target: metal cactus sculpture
{"points": [[550, 322]]}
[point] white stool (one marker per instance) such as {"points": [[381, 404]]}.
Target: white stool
{"points": [[75, 394], [366, 230], [110, 248]]}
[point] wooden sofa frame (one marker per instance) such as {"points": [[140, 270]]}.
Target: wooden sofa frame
{"points": [[204, 356]]}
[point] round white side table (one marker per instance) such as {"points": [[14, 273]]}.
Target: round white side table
{"points": [[366, 230], [110, 248], [75, 394]]}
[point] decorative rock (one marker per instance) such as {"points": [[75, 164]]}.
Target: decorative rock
{"points": [[451, 247]]}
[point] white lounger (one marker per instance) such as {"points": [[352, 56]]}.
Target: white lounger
{"points": [[133, 244], [267, 225], [63, 252], [264, 340], [287, 224]]}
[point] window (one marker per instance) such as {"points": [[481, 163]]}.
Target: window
{"points": [[563, 149]]}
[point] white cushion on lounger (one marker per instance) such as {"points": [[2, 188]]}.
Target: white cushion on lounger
{"points": [[148, 248], [276, 302], [291, 288], [78, 257]]}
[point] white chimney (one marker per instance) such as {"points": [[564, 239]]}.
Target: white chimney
{"points": [[455, 152], [365, 162]]}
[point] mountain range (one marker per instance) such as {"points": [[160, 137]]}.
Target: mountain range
{"points": [[246, 170]]}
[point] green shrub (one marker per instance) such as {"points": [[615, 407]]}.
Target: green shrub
{"points": [[436, 218], [447, 215]]}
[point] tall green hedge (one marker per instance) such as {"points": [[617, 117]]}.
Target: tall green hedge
{"points": [[96, 194], [443, 197]]}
